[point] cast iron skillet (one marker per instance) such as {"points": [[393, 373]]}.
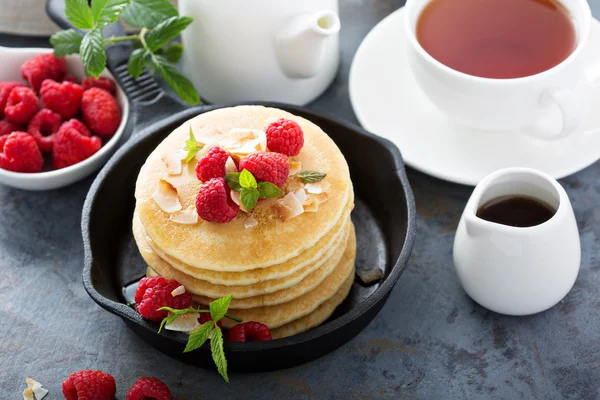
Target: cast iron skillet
{"points": [[384, 217]]}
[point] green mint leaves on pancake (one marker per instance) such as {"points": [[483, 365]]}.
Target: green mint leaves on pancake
{"points": [[192, 146], [311, 176], [159, 23], [250, 190], [218, 310]]}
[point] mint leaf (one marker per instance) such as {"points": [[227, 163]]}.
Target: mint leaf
{"points": [[267, 190], [79, 14], [167, 321], [311, 176], [176, 81], [172, 52], [218, 354], [137, 61], [66, 42], [232, 180], [93, 53], [106, 12], [199, 336], [247, 180], [218, 307], [192, 146], [165, 31], [148, 13], [249, 198]]}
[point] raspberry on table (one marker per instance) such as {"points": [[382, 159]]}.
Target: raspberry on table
{"points": [[72, 144], [285, 136], [100, 111], [89, 385], [214, 204], [157, 294], [21, 105], [41, 67], [20, 153], [249, 332], [148, 388], [6, 128], [5, 89], [101, 82], [212, 164], [43, 127], [267, 166], [63, 98]]}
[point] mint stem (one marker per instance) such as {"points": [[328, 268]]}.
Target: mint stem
{"points": [[117, 39], [231, 317]]}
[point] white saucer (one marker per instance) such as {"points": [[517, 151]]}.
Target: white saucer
{"points": [[388, 102]]}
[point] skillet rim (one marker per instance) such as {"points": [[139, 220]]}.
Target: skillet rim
{"points": [[380, 294]]}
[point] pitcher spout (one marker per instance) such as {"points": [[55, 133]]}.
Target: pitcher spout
{"points": [[300, 45]]}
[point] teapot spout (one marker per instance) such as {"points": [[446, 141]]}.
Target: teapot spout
{"points": [[300, 45]]}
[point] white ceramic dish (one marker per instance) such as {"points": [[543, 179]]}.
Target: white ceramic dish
{"points": [[12, 59], [388, 102]]}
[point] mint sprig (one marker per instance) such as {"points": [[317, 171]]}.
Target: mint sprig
{"points": [[218, 310], [251, 190], [192, 146], [311, 176], [159, 22]]}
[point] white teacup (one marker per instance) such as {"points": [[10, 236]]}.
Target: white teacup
{"points": [[518, 271], [507, 104]]}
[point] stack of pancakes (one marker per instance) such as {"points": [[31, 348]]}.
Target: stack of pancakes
{"points": [[287, 274]]}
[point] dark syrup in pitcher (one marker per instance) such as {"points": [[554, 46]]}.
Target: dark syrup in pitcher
{"points": [[517, 211]]}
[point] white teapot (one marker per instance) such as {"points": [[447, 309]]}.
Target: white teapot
{"points": [[263, 50]]}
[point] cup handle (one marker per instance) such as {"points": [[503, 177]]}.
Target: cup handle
{"points": [[570, 109]]}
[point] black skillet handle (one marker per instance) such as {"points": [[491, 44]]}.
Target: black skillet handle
{"points": [[149, 101]]}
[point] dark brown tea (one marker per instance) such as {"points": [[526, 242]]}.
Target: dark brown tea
{"points": [[497, 38], [517, 211]]}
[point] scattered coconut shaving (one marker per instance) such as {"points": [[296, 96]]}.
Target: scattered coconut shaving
{"points": [[166, 197], [172, 162], [310, 205], [317, 187], [184, 323], [230, 166], [178, 290], [295, 167], [320, 198], [250, 222], [34, 390], [236, 197], [289, 207], [188, 216]]}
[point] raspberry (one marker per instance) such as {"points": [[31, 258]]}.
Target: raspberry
{"points": [[285, 136], [70, 78], [100, 111], [157, 295], [212, 164], [102, 83], [205, 317], [89, 385], [214, 204], [6, 128], [5, 89], [43, 127], [3, 140], [41, 67], [249, 332], [21, 106], [64, 98], [149, 389], [271, 167], [73, 144], [146, 283], [20, 153]]}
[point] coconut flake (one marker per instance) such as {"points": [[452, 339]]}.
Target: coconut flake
{"points": [[314, 188], [230, 165], [301, 195], [236, 197], [28, 394], [295, 167], [294, 185], [178, 290], [35, 389], [250, 222], [166, 197], [181, 154], [184, 323], [289, 207], [310, 205], [188, 216], [320, 198]]}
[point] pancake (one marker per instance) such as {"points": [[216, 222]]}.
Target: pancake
{"points": [[317, 317], [299, 266], [269, 291], [231, 247]]}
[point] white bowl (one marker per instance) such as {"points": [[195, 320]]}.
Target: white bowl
{"points": [[12, 59]]}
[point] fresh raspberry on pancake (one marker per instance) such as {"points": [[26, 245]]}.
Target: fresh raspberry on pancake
{"points": [[214, 203], [285, 136], [267, 166], [212, 164]]}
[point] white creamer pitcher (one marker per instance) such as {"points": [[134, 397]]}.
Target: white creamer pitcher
{"points": [[518, 271], [240, 50]]}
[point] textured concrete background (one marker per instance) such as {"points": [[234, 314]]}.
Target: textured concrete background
{"points": [[429, 342]]}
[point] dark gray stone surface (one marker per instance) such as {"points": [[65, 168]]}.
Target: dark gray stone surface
{"points": [[430, 341]]}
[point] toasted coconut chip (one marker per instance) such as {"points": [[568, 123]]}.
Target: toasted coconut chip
{"points": [[262, 141], [166, 197], [230, 166], [310, 205], [289, 207], [317, 187], [320, 198], [184, 323], [236, 197], [295, 167], [178, 290], [181, 154], [250, 222], [172, 162], [301, 195], [187, 176], [35, 388], [188, 216], [28, 394], [294, 185]]}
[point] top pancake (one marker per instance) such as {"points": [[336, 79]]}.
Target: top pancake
{"points": [[230, 246]]}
